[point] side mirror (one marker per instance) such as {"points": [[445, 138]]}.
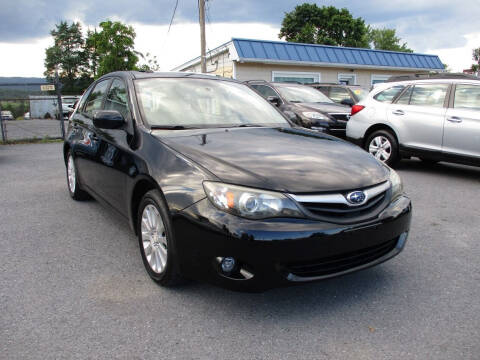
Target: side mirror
{"points": [[108, 119], [348, 102], [275, 100]]}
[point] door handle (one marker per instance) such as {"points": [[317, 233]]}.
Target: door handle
{"points": [[454, 119], [398, 112]]}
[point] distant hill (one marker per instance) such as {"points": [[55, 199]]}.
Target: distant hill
{"points": [[21, 80], [20, 91]]}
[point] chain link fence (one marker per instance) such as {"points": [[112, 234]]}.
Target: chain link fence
{"points": [[33, 111]]}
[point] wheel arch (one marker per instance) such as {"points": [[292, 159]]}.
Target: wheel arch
{"points": [[143, 185], [66, 149], [377, 127]]}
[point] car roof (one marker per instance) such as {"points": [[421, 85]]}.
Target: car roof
{"points": [[167, 74]]}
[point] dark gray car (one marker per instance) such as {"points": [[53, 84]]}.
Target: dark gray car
{"points": [[305, 106]]}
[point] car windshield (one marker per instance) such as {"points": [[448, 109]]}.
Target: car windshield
{"points": [[197, 103], [303, 94]]}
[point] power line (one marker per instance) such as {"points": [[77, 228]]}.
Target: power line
{"points": [[173, 16]]}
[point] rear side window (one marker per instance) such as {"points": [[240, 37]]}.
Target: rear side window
{"points": [[266, 91], [95, 98], [389, 94], [467, 97], [429, 95], [404, 99], [338, 94]]}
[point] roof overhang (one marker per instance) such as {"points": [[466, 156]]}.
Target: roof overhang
{"points": [[333, 65], [228, 46]]}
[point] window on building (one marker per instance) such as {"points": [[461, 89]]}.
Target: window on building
{"points": [[347, 79], [467, 97], [296, 77]]}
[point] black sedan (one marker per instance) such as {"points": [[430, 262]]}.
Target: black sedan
{"points": [[219, 186]]}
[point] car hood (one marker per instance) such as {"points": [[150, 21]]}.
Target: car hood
{"points": [[283, 159], [325, 107]]}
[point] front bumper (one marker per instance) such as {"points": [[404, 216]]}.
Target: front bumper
{"points": [[281, 252]]}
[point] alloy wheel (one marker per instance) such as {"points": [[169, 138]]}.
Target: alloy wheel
{"points": [[381, 148], [154, 239], [71, 174]]}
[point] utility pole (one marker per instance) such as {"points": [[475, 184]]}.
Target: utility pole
{"points": [[201, 11], [58, 88]]}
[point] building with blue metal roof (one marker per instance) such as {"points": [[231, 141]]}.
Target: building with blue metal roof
{"points": [[248, 59]]}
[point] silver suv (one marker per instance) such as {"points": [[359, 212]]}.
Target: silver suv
{"points": [[435, 118]]}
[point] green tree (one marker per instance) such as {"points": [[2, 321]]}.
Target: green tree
{"points": [[150, 63], [113, 48], [67, 54], [327, 25], [386, 39], [476, 58]]}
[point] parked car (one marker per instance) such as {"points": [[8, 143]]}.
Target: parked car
{"points": [[68, 105], [7, 115], [305, 106], [26, 116], [435, 118], [219, 186], [342, 94]]}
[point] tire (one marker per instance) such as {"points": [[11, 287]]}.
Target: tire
{"points": [[157, 249], [384, 146], [72, 180]]}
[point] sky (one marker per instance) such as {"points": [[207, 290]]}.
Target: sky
{"points": [[443, 27]]}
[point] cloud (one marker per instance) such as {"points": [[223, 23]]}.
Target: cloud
{"points": [[422, 23]]}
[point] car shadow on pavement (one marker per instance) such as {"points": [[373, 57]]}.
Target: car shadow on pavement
{"points": [[328, 297], [443, 168]]}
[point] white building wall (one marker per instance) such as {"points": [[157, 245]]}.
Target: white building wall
{"points": [[259, 71]]}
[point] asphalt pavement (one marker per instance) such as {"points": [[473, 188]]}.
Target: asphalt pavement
{"points": [[72, 283], [33, 129]]}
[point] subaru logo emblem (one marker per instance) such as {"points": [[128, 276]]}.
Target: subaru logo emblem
{"points": [[356, 197]]}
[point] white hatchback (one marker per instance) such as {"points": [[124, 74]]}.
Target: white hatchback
{"points": [[434, 118]]}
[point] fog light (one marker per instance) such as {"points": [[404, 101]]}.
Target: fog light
{"points": [[227, 264]]}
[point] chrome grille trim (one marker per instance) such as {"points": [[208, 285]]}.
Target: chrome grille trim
{"points": [[339, 198]]}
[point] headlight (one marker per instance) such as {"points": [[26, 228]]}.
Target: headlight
{"points": [[314, 115], [397, 187], [250, 203]]}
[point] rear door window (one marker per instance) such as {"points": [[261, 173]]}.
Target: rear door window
{"points": [[467, 97], [404, 99], [338, 94], [429, 95], [389, 94], [266, 91]]}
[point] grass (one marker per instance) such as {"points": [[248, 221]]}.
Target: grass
{"points": [[44, 140]]}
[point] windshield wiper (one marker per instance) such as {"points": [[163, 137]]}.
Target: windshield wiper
{"points": [[171, 127], [247, 125]]}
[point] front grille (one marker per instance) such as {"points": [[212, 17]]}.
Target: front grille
{"points": [[336, 208], [342, 117], [342, 210], [339, 263]]}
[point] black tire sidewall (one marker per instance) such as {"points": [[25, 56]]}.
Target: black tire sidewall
{"points": [[394, 156], [155, 198]]}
